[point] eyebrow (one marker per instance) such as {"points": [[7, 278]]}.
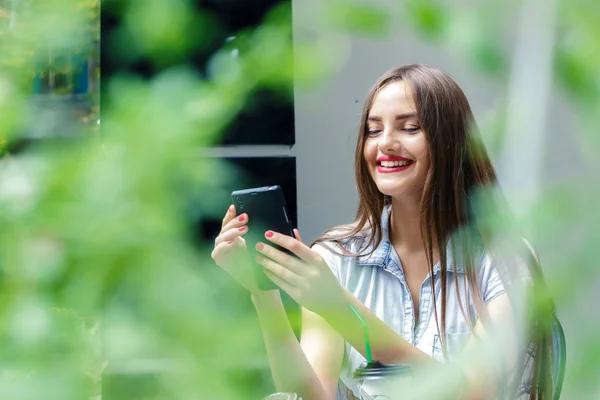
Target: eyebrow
{"points": [[398, 117]]}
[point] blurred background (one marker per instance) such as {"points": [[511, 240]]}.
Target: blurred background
{"points": [[106, 233]]}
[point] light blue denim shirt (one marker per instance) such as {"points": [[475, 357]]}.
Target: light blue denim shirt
{"points": [[378, 281]]}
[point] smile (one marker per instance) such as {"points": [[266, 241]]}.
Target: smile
{"points": [[392, 164], [386, 167]]}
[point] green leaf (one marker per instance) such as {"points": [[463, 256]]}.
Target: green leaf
{"points": [[429, 17], [359, 17]]}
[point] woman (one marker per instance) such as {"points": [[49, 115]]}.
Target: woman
{"points": [[420, 264]]}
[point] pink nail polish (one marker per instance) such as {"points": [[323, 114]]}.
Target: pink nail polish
{"points": [[269, 234], [242, 228], [242, 218], [259, 246]]}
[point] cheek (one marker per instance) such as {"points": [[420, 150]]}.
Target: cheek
{"points": [[425, 166], [424, 157], [421, 150], [369, 150]]}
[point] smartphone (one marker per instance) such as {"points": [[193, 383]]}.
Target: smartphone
{"points": [[266, 210]]}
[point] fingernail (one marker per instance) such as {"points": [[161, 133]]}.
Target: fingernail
{"points": [[269, 234], [242, 218], [229, 241], [259, 259], [259, 246], [242, 228], [231, 208]]}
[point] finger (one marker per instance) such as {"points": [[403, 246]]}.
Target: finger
{"points": [[284, 259], [282, 284], [231, 234], [229, 215], [278, 270], [236, 222], [297, 234], [229, 248], [293, 245], [220, 250]]}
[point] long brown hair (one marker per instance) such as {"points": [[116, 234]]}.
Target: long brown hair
{"points": [[460, 172]]}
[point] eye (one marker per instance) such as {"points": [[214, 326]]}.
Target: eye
{"points": [[373, 132], [412, 129]]}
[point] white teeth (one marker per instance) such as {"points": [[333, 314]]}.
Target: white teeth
{"points": [[394, 164]]}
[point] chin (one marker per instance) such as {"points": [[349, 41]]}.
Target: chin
{"points": [[399, 191], [391, 191]]}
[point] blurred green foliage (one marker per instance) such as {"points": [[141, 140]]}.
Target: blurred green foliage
{"points": [[98, 259], [362, 17]]}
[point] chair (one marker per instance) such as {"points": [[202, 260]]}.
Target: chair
{"points": [[559, 344], [560, 357]]}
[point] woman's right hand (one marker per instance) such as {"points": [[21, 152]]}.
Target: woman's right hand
{"points": [[230, 252]]}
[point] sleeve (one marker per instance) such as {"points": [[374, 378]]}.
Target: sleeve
{"points": [[511, 275], [490, 280]]}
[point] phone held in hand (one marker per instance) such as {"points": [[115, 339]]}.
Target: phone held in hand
{"points": [[266, 210]]}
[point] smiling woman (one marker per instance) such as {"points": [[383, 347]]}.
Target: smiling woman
{"points": [[429, 277], [395, 149]]}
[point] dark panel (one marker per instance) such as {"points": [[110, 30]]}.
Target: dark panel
{"points": [[267, 117], [249, 172]]}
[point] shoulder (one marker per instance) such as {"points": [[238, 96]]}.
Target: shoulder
{"points": [[515, 256], [339, 247], [342, 240], [506, 267]]}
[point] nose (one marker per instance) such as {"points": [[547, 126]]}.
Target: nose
{"points": [[389, 141]]}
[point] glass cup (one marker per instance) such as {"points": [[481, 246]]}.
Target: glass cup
{"points": [[381, 381], [283, 396]]}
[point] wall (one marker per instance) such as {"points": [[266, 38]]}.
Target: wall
{"points": [[326, 127], [327, 116]]}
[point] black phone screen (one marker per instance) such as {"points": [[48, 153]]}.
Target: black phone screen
{"points": [[266, 210]]}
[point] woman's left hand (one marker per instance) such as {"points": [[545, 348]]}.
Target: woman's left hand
{"points": [[307, 279]]}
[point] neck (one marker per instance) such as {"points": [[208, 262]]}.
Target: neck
{"points": [[405, 224]]}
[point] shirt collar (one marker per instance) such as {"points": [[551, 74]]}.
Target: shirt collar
{"points": [[382, 254]]}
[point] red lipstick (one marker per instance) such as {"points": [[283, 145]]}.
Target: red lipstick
{"points": [[392, 158], [390, 164]]}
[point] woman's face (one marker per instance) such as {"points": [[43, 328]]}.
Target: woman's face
{"points": [[395, 150]]}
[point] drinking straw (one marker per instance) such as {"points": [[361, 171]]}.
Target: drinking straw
{"points": [[366, 334]]}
